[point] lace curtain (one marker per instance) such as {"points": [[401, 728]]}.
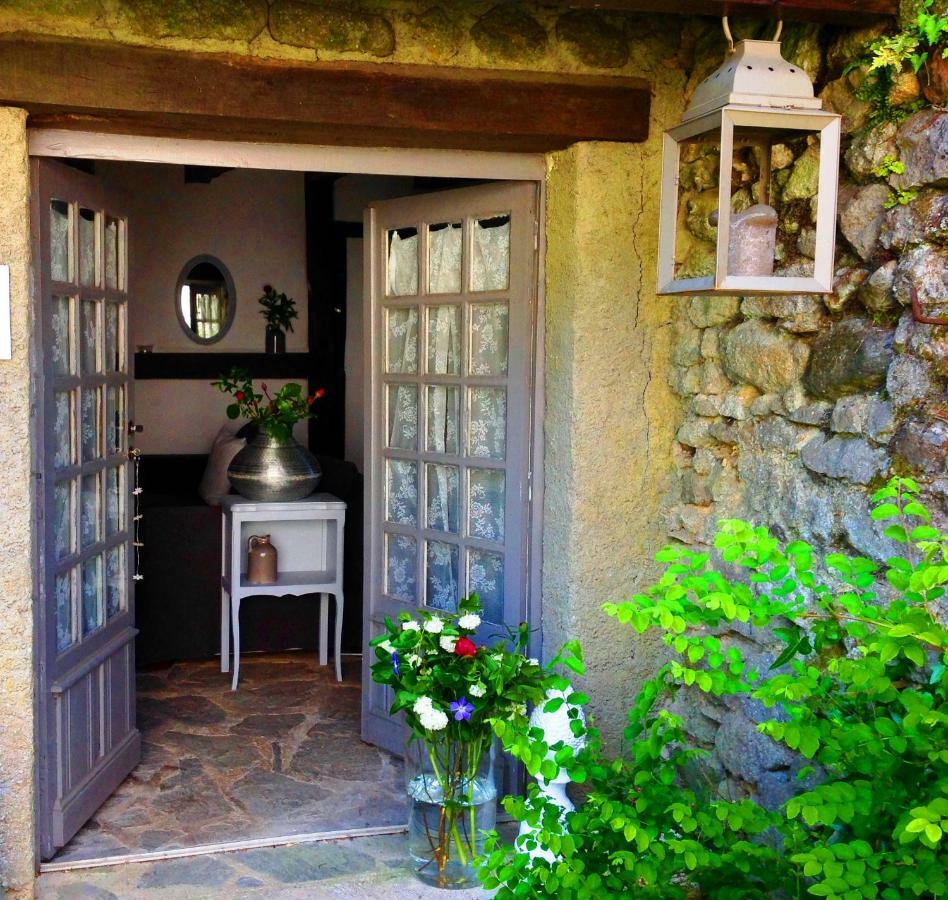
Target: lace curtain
{"points": [[441, 431]]}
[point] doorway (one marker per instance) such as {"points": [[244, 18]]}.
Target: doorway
{"points": [[257, 746]]}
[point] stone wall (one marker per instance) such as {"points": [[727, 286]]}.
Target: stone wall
{"points": [[797, 407]]}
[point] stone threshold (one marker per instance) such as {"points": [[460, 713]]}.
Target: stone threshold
{"points": [[224, 847]]}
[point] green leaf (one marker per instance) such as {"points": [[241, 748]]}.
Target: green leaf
{"points": [[884, 511]]}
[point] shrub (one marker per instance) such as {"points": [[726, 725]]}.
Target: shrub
{"points": [[859, 691]]}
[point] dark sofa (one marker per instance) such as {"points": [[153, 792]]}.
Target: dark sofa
{"points": [[178, 601]]}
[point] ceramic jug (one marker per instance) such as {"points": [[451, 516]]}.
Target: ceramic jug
{"points": [[261, 560]]}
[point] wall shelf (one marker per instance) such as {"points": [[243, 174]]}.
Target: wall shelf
{"points": [[210, 366]]}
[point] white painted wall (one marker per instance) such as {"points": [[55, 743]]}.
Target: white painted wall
{"points": [[252, 220]]}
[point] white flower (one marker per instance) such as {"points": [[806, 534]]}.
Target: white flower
{"points": [[410, 625], [433, 720], [497, 657], [448, 642], [434, 625], [413, 659], [533, 661], [478, 690], [387, 646], [422, 705], [469, 621]]}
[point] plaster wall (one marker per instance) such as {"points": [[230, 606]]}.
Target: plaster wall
{"points": [[16, 521], [610, 415], [252, 220]]}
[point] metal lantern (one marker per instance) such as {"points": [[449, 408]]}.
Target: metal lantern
{"points": [[755, 114]]}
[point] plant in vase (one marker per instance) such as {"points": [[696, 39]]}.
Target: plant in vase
{"points": [[279, 311], [458, 696], [273, 466]]}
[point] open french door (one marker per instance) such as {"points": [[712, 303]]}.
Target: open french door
{"points": [[87, 739], [451, 283]]}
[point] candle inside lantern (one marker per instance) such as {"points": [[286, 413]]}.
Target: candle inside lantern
{"points": [[753, 236]]}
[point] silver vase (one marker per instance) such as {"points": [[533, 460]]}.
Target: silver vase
{"points": [[270, 470]]}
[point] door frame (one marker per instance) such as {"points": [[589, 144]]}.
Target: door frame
{"points": [[473, 164]]}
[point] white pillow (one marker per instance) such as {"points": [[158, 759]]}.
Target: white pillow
{"points": [[214, 484]]}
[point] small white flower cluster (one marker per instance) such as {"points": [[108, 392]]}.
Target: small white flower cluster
{"points": [[434, 625], [387, 646], [413, 659], [448, 642], [478, 690], [410, 625], [432, 719], [470, 621]]}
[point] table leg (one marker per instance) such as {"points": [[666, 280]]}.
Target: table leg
{"points": [[340, 602], [235, 621], [323, 629], [225, 631]]}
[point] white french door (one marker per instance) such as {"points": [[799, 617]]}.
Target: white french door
{"points": [[88, 739], [450, 303]]}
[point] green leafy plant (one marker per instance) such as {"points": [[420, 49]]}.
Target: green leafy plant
{"points": [[278, 309], [885, 58], [897, 196], [274, 414], [858, 693]]}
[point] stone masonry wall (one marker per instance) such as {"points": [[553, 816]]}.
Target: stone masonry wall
{"points": [[796, 408]]}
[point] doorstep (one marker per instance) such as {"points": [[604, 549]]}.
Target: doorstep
{"points": [[373, 867]]}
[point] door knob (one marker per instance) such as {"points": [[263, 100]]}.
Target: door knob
{"points": [[135, 429]]}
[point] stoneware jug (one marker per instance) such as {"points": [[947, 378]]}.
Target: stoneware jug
{"points": [[261, 560]]}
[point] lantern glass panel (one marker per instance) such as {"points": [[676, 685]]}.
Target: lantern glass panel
{"points": [[699, 162], [774, 201]]}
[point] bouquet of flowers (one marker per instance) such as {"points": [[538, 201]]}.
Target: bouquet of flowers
{"points": [[274, 414], [457, 696]]}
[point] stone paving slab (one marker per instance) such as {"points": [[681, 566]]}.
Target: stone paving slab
{"points": [[369, 867], [282, 755]]}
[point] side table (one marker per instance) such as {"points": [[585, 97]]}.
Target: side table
{"points": [[308, 535]]}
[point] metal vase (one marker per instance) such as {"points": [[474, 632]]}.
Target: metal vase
{"points": [[271, 470]]}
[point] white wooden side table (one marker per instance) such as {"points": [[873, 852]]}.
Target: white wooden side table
{"points": [[308, 535]]}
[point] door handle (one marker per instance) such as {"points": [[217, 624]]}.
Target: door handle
{"points": [[133, 428]]}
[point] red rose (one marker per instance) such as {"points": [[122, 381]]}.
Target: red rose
{"points": [[465, 647], [320, 393], [239, 395]]}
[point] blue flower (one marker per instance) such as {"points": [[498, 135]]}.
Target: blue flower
{"points": [[395, 663], [462, 709]]}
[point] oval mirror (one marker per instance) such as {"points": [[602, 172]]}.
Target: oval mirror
{"points": [[205, 299]]}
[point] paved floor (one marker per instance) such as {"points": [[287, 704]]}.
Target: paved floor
{"points": [[280, 756], [373, 867]]}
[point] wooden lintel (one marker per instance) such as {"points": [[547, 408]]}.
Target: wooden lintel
{"points": [[106, 86], [845, 12]]}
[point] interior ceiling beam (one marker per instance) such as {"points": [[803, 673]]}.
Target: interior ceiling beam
{"points": [[846, 12], [112, 87]]}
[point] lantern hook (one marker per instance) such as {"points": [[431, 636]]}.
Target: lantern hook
{"points": [[730, 38]]}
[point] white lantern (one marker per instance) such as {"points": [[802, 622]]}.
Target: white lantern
{"points": [[718, 231]]}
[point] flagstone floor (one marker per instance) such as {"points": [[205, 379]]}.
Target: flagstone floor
{"points": [[367, 868], [280, 756]]}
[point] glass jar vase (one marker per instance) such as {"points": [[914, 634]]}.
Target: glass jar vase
{"points": [[453, 802]]}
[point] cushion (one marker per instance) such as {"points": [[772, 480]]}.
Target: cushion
{"points": [[214, 484]]}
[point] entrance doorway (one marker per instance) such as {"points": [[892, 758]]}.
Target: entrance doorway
{"points": [[291, 751]]}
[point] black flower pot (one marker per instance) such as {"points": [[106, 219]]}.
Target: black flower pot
{"points": [[276, 340]]}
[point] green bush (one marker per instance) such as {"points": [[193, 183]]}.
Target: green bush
{"points": [[859, 691]]}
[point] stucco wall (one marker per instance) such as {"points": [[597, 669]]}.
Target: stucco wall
{"points": [[16, 525], [610, 415]]}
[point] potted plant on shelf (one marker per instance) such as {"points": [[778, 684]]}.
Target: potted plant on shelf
{"points": [[457, 697], [279, 311], [273, 466]]}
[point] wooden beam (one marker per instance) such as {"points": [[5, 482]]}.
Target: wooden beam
{"points": [[846, 12], [103, 86]]}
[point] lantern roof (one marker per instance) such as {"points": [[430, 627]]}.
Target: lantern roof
{"points": [[754, 74]]}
